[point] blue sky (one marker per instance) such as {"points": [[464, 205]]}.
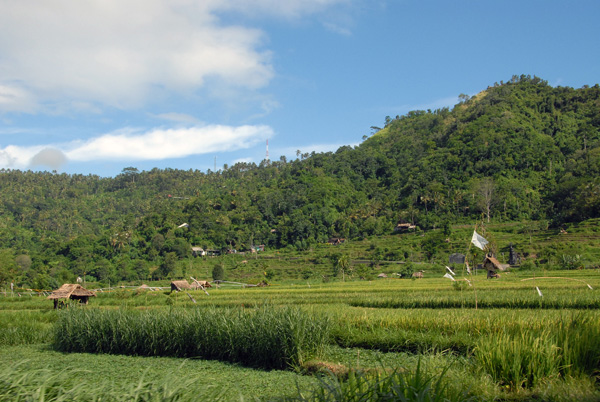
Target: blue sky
{"points": [[96, 86]]}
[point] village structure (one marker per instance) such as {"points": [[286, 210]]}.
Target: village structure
{"points": [[67, 292]]}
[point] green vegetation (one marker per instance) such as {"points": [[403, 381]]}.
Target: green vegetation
{"points": [[267, 338], [457, 353], [521, 153], [520, 159], [37, 373]]}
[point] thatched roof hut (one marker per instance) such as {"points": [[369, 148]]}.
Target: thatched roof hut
{"points": [[71, 292], [492, 265], [180, 285], [200, 285]]}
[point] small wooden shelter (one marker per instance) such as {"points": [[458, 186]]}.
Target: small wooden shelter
{"points": [[403, 227], [200, 285], [492, 265], [198, 251], [70, 292], [180, 285]]}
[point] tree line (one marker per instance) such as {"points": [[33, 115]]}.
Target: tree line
{"points": [[520, 150]]}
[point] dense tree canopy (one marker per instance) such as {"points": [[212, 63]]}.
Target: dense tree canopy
{"points": [[519, 150]]}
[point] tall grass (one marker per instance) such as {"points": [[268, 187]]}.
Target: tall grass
{"points": [[524, 358], [25, 327], [384, 385], [267, 337]]}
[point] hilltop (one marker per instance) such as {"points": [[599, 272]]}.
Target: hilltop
{"points": [[518, 151]]}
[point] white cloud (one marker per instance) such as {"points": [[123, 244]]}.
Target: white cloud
{"points": [[342, 30], [132, 145], [178, 118], [285, 9], [15, 99], [120, 53], [49, 157], [160, 144], [243, 160], [16, 157], [126, 53]]}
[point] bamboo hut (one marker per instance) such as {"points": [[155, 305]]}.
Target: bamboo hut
{"points": [[200, 285], [180, 285], [492, 266], [70, 292]]}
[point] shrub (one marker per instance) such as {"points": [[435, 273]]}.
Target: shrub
{"points": [[218, 272]]}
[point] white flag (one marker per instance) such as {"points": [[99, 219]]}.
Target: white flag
{"points": [[448, 268], [539, 291], [447, 275], [478, 240]]}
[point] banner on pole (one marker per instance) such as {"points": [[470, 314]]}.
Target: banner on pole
{"points": [[478, 241]]}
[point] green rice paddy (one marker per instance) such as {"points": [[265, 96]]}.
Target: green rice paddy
{"points": [[496, 339]]}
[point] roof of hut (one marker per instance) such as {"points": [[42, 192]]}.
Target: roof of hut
{"points": [[494, 262], [67, 290], [183, 284]]}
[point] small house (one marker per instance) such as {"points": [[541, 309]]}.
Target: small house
{"points": [[403, 227], [198, 251], [201, 285], [180, 285], [70, 292], [492, 265]]}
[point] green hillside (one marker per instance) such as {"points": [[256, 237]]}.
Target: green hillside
{"points": [[521, 151]]}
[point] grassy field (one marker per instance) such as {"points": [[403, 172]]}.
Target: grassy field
{"points": [[424, 335]]}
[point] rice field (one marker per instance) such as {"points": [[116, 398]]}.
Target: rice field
{"points": [[516, 338]]}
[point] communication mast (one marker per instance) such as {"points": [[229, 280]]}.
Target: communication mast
{"points": [[267, 151]]}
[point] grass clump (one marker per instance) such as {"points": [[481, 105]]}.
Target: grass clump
{"points": [[525, 358], [267, 337], [384, 385]]}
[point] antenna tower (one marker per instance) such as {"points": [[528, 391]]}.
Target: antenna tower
{"points": [[267, 150]]}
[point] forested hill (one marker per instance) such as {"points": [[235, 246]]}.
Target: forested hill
{"points": [[518, 150]]}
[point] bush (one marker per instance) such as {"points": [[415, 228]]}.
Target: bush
{"points": [[568, 261], [218, 272]]}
